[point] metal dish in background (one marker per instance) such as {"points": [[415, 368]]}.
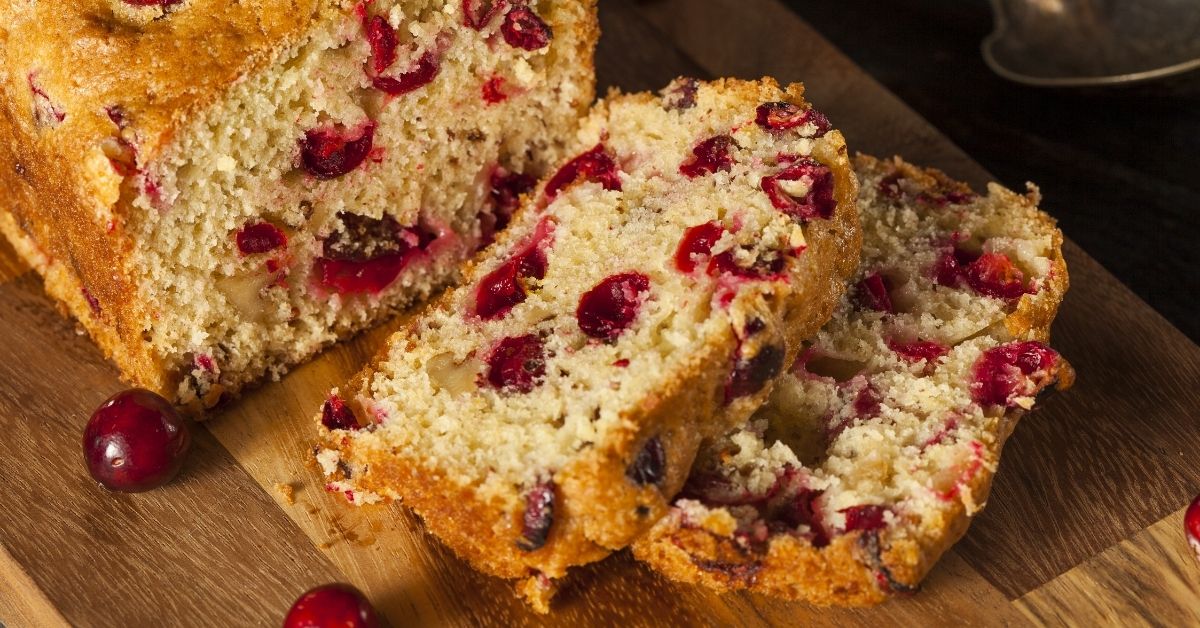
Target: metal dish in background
{"points": [[1069, 43]]}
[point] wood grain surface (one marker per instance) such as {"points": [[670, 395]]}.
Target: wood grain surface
{"points": [[1083, 527]]}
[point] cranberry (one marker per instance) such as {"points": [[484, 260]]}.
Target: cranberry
{"points": [[650, 466], [1013, 370], [750, 375], [538, 517], [522, 28], [1191, 526], [477, 14], [517, 364], [990, 274], [725, 263], [697, 243], [117, 114], [493, 90], [92, 301], [680, 95], [506, 191], [872, 294], [780, 116], [817, 203], [867, 403], [507, 188], [610, 308], [260, 237], [332, 606], [135, 441], [994, 275], [502, 289], [919, 350], [368, 254], [596, 165], [336, 415], [422, 74], [804, 511], [709, 156], [382, 39], [48, 112], [360, 277], [866, 518], [331, 153]]}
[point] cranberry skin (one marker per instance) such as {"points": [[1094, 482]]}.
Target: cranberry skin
{"points": [[332, 606], [503, 289], [650, 466], [994, 275], [708, 157], [507, 188], [261, 237], [329, 153], [524, 29], [493, 91], [697, 243], [477, 14], [919, 350], [336, 415], [135, 441], [596, 165], [781, 116], [749, 376], [382, 39], [865, 518], [872, 294], [538, 517], [517, 364], [427, 69], [867, 403], [1012, 370], [611, 307], [1191, 526], [818, 203]]}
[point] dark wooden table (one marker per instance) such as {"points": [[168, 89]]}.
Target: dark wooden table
{"points": [[1119, 167]]}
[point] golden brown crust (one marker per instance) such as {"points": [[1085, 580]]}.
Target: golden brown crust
{"points": [[598, 509], [861, 568]]}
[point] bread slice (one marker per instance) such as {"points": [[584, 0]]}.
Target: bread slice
{"points": [[879, 446], [218, 189], [541, 415]]}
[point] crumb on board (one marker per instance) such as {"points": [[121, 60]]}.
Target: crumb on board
{"points": [[287, 491]]}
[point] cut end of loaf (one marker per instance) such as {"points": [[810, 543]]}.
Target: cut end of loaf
{"points": [[880, 443], [641, 301]]}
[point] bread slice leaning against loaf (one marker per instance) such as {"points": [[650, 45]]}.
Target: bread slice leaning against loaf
{"points": [[881, 442], [542, 415], [219, 189]]}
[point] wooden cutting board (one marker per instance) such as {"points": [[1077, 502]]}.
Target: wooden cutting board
{"points": [[1084, 523]]}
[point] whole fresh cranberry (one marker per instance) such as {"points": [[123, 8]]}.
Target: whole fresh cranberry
{"points": [[332, 606], [135, 441], [1191, 526]]}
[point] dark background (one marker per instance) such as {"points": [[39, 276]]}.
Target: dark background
{"points": [[1119, 167]]}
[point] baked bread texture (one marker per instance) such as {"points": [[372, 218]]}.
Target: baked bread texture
{"points": [[543, 414], [880, 444], [218, 189]]}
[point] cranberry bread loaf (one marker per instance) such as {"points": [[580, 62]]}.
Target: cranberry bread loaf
{"points": [[217, 189], [541, 415], [878, 447]]}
